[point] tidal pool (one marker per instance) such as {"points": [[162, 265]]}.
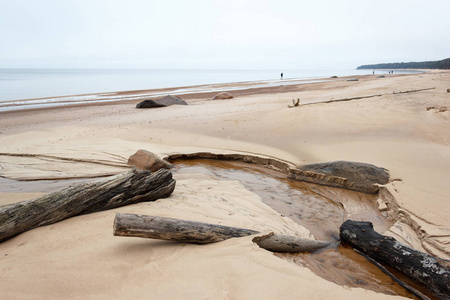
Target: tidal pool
{"points": [[321, 210]]}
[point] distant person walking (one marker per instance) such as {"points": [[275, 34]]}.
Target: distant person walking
{"points": [[281, 75]]}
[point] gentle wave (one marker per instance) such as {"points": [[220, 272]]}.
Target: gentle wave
{"points": [[44, 87], [111, 97]]}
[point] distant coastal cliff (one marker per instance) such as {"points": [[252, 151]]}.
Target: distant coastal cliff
{"points": [[439, 64]]}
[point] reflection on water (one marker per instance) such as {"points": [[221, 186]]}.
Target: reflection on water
{"points": [[290, 198], [320, 209]]}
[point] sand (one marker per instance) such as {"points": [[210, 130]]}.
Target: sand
{"points": [[79, 257]]}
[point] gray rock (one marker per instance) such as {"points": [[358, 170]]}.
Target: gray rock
{"points": [[161, 102], [171, 100], [222, 96], [148, 104], [356, 176], [146, 160]]}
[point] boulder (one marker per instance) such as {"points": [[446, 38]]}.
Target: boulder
{"points": [[222, 96], [448, 90], [171, 100], [356, 176], [148, 104], [146, 160], [161, 102]]}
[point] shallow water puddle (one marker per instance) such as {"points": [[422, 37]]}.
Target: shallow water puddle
{"points": [[39, 186], [320, 209]]}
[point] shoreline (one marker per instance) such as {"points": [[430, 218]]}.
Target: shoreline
{"points": [[34, 84], [395, 131], [186, 91], [120, 96]]}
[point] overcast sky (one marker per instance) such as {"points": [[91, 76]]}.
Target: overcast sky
{"points": [[197, 34]]}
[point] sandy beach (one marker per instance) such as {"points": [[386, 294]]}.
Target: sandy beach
{"points": [[79, 258]]}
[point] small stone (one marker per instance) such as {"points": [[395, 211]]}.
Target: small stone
{"points": [[146, 160], [222, 96]]}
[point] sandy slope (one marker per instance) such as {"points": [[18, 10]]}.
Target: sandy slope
{"points": [[79, 258]]}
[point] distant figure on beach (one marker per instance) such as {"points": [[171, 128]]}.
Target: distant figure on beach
{"points": [[373, 72], [281, 75]]}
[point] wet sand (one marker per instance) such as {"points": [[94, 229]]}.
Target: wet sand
{"points": [[79, 257]]}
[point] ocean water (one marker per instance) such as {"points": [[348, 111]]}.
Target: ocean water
{"points": [[18, 84]]}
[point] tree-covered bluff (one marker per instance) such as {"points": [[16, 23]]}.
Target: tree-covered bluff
{"points": [[439, 64]]}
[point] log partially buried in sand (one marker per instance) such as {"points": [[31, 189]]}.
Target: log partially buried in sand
{"points": [[183, 231], [285, 243], [422, 267], [123, 189]]}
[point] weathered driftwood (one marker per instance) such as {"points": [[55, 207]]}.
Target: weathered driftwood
{"points": [[403, 284], [123, 189], [174, 229], [432, 272], [362, 97], [285, 243]]}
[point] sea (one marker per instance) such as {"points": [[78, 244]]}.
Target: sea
{"points": [[20, 84]]}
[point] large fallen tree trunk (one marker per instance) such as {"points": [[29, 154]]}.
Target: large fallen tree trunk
{"points": [[432, 272], [123, 189], [175, 229], [286, 243]]}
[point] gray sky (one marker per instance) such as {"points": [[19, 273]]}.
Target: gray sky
{"points": [[197, 34]]}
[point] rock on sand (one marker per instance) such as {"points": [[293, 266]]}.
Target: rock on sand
{"points": [[162, 102], [149, 104], [356, 176], [146, 160], [222, 96]]}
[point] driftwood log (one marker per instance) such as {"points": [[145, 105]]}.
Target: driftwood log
{"points": [[285, 243], [363, 97], [426, 269], [183, 231], [123, 189]]}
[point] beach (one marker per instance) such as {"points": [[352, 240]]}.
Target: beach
{"points": [[405, 133]]}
